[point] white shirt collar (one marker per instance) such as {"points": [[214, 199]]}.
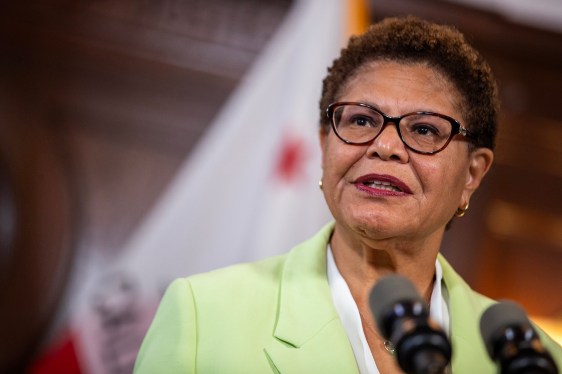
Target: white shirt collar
{"points": [[351, 320]]}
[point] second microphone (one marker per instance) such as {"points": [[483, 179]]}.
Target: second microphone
{"points": [[403, 318]]}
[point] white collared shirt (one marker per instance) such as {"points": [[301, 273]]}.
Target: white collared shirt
{"points": [[351, 320]]}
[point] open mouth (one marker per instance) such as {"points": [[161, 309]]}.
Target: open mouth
{"points": [[383, 182], [381, 185]]}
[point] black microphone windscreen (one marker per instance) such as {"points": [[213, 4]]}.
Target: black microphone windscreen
{"points": [[498, 317], [388, 291]]}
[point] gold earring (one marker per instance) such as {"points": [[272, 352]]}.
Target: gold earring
{"points": [[462, 210], [320, 185]]}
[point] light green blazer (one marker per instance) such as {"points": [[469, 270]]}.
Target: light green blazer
{"points": [[277, 316]]}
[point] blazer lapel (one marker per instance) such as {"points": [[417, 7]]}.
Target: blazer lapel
{"points": [[326, 352], [309, 336], [465, 308]]}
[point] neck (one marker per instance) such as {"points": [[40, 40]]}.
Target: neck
{"points": [[363, 262]]}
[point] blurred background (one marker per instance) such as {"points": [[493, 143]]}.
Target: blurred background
{"points": [[101, 102]]}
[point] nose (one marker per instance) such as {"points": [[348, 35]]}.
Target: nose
{"points": [[388, 145]]}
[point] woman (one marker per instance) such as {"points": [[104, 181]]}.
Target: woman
{"points": [[408, 120]]}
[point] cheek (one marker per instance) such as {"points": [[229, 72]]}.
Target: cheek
{"points": [[338, 158], [443, 180]]}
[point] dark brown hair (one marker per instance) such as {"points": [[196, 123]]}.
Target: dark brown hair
{"points": [[443, 48]]}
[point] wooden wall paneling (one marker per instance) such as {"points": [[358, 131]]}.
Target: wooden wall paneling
{"points": [[528, 251], [126, 89]]}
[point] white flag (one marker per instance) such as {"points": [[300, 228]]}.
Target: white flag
{"points": [[249, 190]]}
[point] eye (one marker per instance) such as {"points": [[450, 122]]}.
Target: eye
{"points": [[424, 129], [361, 120]]}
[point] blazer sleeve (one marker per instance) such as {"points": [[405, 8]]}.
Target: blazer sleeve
{"points": [[170, 344]]}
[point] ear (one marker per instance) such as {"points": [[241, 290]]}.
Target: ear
{"points": [[480, 161]]}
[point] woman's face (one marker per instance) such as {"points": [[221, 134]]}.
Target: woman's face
{"points": [[424, 190]]}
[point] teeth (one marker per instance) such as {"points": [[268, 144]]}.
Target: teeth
{"points": [[382, 186]]}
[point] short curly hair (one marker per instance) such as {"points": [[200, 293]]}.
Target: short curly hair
{"points": [[443, 48]]}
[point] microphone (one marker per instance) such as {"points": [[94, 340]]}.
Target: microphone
{"points": [[403, 318], [512, 342]]}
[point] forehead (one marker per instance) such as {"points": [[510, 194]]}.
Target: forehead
{"points": [[415, 86]]}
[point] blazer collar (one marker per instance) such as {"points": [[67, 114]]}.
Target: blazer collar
{"points": [[309, 336]]}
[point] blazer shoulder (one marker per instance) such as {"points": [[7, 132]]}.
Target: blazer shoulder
{"points": [[170, 341]]}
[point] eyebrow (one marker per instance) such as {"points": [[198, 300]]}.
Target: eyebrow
{"points": [[370, 103]]}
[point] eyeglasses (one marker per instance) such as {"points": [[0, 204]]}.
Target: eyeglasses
{"points": [[422, 132]]}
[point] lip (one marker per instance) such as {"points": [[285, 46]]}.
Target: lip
{"points": [[403, 187]]}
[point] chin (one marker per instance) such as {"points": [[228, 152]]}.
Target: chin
{"points": [[373, 227]]}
